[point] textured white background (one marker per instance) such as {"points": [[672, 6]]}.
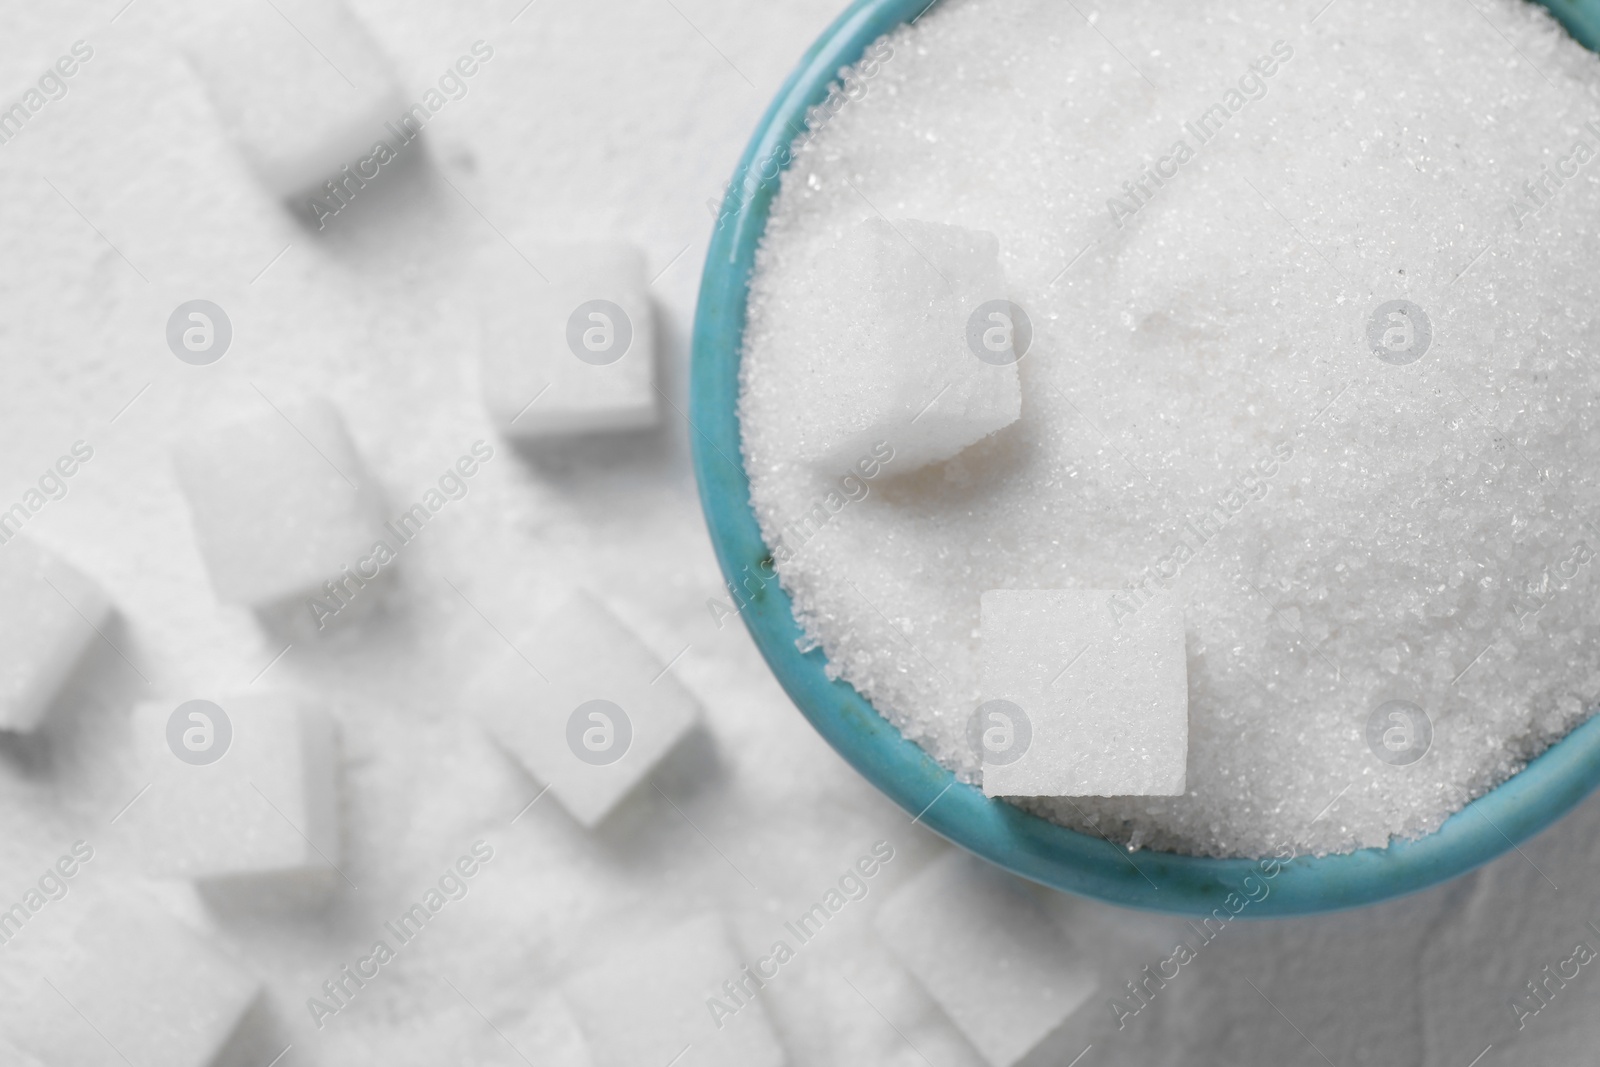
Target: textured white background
{"points": [[595, 119]]}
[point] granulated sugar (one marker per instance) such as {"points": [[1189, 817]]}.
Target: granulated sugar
{"points": [[1312, 356]]}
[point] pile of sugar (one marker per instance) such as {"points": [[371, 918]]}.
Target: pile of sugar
{"points": [[1203, 415]]}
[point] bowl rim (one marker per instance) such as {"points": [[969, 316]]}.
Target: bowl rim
{"points": [[1025, 844]]}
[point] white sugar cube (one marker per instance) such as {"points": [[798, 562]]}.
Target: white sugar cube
{"points": [[922, 346], [305, 92], [575, 354], [243, 793], [604, 714], [50, 614], [139, 988], [283, 507], [987, 954], [654, 1001], [1091, 694]]}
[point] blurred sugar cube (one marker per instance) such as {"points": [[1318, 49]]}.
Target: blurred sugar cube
{"points": [[243, 794], [50, 614], [282, 506], [604, 714], [981, 946], [138, 987], [575, 354], [926, 346], [651, 1003], [302, 88], [1102, 688]]}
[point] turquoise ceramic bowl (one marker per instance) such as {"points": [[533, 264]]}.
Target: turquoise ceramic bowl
{"points": [[1023, 843]]}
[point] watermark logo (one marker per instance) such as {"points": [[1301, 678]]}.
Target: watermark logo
{"points": [[199, 332], [1203, 128], [1399, 732], [341, 591], [1399, 332], [52, 86], [1252, 889], [746, 986], [1547, 984], [599, 332], [854, 84], [599, 732], [1248, 484], [340, 190], [1539, 191], [199, 732], [999, 332], [51, 486], [999, 733], [53, 885], [340, 991]]}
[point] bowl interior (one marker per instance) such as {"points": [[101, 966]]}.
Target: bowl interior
{"points": [[1023, 843]]}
